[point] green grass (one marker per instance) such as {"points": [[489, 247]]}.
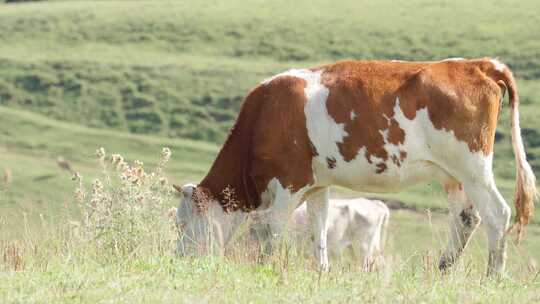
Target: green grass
{"points": [[208, 281], [62, 272]]}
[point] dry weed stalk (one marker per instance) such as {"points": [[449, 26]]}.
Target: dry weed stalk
{"points": [[126, 210]]}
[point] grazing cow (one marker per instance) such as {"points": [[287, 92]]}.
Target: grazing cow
{"points": [[359, 224], [370, 126]]}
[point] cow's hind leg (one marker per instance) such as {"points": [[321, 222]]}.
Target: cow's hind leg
{"points": [[495, 214], [317, 208], [463, 222]]}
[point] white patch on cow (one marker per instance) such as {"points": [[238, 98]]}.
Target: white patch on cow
{"points": [[299, 73], [276, 197], [391, 149], [424, 142], [278, 203], [499, 66], [397, 60], [353, 115], [454, 59], [321, 126]]}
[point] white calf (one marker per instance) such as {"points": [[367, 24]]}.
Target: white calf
{"points": [[359, 224]]}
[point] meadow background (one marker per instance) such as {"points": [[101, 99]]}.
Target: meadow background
{"points": [[136, 76]]}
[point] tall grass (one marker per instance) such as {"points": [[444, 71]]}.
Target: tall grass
{"points": [[123, 216], [120, 248]]}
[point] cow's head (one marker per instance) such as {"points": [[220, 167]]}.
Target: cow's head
{"points": [[199, 222]]}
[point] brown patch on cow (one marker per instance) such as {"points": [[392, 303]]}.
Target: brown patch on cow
{"points": [[396, 135], [461, 97], [269, 140], [366, 87], [331, 162], [402, 155]]}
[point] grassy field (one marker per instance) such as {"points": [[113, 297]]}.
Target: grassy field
{"points": [[136, 76], [70, 260]]}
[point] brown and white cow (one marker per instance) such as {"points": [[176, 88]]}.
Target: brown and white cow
{"points": [[370, 126]]}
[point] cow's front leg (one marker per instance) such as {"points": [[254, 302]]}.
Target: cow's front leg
{"points": [[279, 214], [317, 207]]}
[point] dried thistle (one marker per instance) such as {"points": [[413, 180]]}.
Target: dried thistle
{"points": [[97, 187], [118, 161], [165, 156], [100, 154], [125, 209], [171, 213], [230, 202], [138, 164], [79, 191], [201, 198]]}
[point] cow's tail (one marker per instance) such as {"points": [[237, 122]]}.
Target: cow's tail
{"points": [[525, 191]]}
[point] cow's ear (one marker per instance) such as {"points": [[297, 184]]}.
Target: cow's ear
{"points": [[178, 188]]}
